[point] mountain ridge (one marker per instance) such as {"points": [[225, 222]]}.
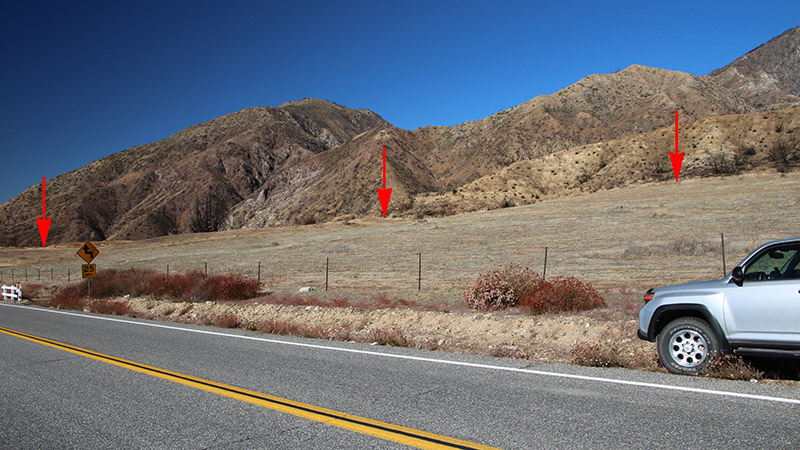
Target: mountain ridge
{"points": [[311, 160]]}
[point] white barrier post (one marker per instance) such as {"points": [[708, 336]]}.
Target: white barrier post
{"points": [[13, 292]]}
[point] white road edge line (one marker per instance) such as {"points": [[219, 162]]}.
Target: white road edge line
{"points": [[431, 360]]}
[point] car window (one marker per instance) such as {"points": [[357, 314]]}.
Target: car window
{"points": [[777, 263]]}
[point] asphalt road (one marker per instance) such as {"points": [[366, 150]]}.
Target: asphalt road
{"points": [[51, 398]]}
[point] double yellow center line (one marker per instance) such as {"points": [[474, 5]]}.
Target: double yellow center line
{"points": [[383, 430]]}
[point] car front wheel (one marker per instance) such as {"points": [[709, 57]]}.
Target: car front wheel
{"points": [[686, 345]]}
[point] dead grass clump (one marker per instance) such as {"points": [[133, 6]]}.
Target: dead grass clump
{"points": [[226, 320], [277, 326], [732, 367], [110, 307], [392, 337], [596, 355]]}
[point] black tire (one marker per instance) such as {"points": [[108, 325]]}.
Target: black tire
{"points": [[687, 345]]}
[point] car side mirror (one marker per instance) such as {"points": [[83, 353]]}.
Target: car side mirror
{"points": [[737, 276]]}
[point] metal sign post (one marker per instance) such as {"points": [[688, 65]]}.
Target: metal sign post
{"points": [[88, 252]]}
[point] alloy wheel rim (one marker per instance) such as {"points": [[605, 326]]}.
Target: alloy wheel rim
{"points": [[688, 348]]}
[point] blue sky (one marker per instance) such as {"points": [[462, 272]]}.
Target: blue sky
{"points": [[82, 80]]}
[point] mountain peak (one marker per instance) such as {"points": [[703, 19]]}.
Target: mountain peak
{"points": [[767, 75]]}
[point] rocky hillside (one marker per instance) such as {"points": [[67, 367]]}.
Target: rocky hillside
{"points": [[766, 77], [179, 183], [312, 160], [714, 146]]}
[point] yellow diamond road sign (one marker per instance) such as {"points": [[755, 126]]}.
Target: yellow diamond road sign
{"points": [[88, 252]]}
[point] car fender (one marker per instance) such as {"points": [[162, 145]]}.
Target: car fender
{"points": [[667, 313]]}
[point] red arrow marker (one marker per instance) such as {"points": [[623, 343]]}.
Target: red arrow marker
{"points": [[44, 224], [384, 194], [676, 158]]}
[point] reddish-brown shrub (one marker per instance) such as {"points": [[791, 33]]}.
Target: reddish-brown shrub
{"points": [[116, 283], [69, 297], [193, 286], [176, 287], [227, 287], [501, 288], [382, 300], [31, 291], [561, 294]]}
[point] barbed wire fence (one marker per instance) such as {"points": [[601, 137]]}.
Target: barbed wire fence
{"points": [[416, 271], [407, 271]]}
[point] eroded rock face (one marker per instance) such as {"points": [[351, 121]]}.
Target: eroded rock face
{"points": [[766, 77]]}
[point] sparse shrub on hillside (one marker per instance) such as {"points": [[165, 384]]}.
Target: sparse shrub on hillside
{"points": [[722, 163], [308, 219], [748, 150], [209, 213], [561, 294], [783, 155], [744, 154]]}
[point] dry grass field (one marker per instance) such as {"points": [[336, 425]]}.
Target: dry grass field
{"points": [[642, 235], [621, 240]]}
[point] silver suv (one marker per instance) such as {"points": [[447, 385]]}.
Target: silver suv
{"points": [[755, 310]]}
